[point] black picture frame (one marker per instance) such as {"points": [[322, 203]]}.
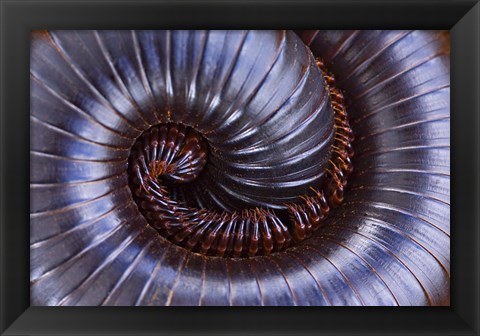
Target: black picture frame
{"points": [[19, 17]]}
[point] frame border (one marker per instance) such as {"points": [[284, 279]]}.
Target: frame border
{"points": [[18, 17]]}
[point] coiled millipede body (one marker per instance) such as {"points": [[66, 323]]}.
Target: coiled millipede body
{"points": [[240, 168]]}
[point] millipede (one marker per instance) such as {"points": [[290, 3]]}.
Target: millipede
{"points": [[175, 152], [240, 168]]}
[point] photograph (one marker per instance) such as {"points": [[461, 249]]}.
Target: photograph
{"points": [[239, 167]]}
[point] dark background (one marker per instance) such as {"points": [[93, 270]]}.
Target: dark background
{"points": [[19, 17]]}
